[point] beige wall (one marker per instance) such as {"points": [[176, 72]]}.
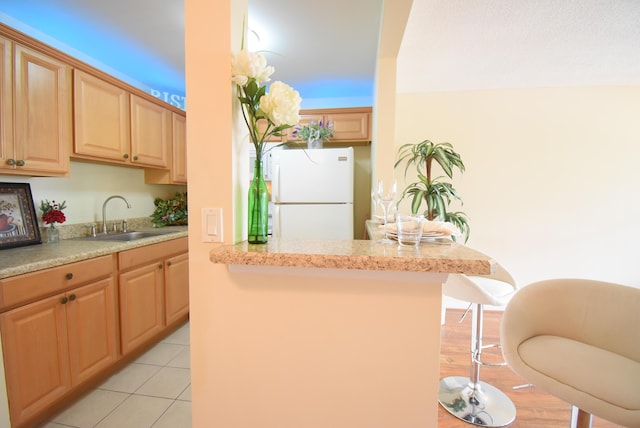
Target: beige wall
{"points": [[213, 159], [394, 18], [551, 186]]}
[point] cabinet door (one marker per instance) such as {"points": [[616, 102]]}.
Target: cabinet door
{"points": [[42, 112], [177, 174], [150, 133], [34, 342], [91, 327], [101, 119], [141, 300], [176, 289], [6, 103], [179, 149], [349, 126]]}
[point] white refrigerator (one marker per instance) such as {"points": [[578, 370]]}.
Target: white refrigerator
{"points": [[312, 193]]}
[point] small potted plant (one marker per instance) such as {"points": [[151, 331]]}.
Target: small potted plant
{"points": [[315, 134], [433, 191], [170, 212]]}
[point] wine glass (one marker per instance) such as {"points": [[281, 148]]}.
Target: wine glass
{"points": [[374, 199], [386, 194]]}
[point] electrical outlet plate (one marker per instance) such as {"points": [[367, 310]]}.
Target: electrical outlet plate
{"points": [[212, 225]]}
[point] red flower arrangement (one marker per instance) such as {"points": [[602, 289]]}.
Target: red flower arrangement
{"points": [[52, 212]]}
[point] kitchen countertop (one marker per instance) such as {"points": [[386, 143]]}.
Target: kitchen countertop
{"points": [[356, 254], [17, 261]]}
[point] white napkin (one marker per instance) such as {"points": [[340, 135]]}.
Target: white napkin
{"points": [[434, 226], [443, 227]]}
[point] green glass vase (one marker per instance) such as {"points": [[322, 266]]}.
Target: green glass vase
{"points": [[258, 207]]}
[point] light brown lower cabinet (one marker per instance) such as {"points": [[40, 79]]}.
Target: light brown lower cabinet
{"points": [[140, 305], [176, 291], [55, 344], [153, 286], [60, 326]]}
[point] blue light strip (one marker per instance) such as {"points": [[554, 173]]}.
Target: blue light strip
{"points": [[97, 46], [107, 50]]}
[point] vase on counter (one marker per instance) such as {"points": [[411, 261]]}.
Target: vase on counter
{"points": [[258, 207], [52, 234], [314, 143]]}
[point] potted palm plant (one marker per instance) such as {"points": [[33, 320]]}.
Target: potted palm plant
{"points": [[433, 191]]}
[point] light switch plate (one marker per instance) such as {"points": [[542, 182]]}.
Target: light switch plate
{"points": [[212, 225]]}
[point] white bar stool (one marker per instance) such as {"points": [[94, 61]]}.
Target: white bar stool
{"points": [[469, 398]]}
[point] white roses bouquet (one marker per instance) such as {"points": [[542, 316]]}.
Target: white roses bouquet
{"points": [[280, 107]]}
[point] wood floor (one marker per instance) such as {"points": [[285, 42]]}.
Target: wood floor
{"points": [[534, 407]]}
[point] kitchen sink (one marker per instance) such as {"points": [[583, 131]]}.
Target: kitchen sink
{"points": [[126, 236]]}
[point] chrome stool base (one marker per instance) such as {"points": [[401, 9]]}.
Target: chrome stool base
{"points": [[476, 403]]}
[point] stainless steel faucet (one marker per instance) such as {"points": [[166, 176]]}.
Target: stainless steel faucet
{"points": [[104, 210]]}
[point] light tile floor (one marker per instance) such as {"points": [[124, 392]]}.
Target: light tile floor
{"points": [[153, 391]]}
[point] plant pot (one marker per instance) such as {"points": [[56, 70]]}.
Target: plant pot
{"points": [[314, 144]]}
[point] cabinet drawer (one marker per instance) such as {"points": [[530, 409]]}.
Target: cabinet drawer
{"points": [[138, 256], [36, 285]]}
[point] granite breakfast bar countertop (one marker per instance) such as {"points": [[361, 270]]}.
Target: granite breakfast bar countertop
{"points": [[21, 260], [356, 254]]}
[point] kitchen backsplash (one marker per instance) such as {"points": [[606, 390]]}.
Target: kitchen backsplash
{"points": [[89, 185], [70, 231]]}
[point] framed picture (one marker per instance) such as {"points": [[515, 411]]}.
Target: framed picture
{"points": [[18, 221]]}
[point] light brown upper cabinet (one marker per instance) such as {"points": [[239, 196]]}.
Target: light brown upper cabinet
{"points": [[36, 112], [179, 149], [177, 173], [114, 125], [101, 119], [150, 133], [6, 103], [351, 125]]}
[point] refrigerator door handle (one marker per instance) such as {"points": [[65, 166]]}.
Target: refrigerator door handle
{"points": [[275, 183], [275, 221]]}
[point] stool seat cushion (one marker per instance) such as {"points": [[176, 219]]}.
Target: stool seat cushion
{"points": [[568, 367], [478, 289], [579, 340]]}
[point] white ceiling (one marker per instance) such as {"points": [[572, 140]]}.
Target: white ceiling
{"points": [[448, 44], [481, 44], [318, 41]]}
